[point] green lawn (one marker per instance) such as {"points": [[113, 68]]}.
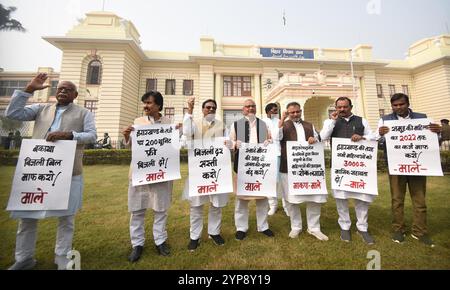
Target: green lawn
{"points": [[102, 236]]}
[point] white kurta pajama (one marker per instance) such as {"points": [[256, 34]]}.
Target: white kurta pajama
{"points": [[272, 126], [28, 220], [362, 200], [241, 210], [217, 201], [313, 201], [157, 196]]}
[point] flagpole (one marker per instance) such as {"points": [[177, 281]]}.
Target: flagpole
{"points": [[103, 7]]}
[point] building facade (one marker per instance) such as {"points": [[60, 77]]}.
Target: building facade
{"points": [[103, 57]]}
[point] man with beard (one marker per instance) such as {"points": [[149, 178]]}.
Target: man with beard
{"points": [[61, 121], [253, 130]]}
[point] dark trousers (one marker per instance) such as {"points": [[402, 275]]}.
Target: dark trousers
{"points": [[417, 190]]}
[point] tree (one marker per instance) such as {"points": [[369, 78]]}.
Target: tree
{"points": [[6, 22]]}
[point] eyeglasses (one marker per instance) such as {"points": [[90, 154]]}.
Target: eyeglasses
{"points": [[59, 89], [210, 108]]}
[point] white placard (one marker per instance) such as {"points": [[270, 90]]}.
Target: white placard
{"points": [[306, 168], [209, 168], [43, 175], [354, 166], [412, 148], [257, 172], [155, 155]]}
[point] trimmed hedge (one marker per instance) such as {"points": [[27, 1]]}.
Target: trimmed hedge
{"points": [[123, 156]]}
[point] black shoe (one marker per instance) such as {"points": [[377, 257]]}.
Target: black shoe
{"points": [[268, 233], [425, 239], [193, 244], [218, 240], [240, 235], [398, 237], [135, 254], [163, 249]]}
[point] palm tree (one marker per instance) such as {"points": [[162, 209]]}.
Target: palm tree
{"points": [[6, 23]]}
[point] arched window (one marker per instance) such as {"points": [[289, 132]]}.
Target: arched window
{"points": [[94, 74]]}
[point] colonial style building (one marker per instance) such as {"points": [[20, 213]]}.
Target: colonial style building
{"points": [[103, 56]]}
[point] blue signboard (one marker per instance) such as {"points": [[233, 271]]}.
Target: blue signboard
{"points": [[286, 53]]}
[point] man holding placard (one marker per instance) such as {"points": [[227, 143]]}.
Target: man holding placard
{"points": [[343, 124], [61, 121], [205, 131], [250, 130], [400, 176], [150, 185], [295, 129]]}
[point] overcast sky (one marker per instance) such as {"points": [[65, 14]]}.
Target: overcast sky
{"points": [[390, 26]]}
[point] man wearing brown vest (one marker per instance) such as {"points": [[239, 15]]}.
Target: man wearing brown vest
{"points": [[61, 121], [295, 129]]}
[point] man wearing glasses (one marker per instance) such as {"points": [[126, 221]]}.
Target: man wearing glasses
{"points": [[208, 127], [61, 121], [252, 130]]}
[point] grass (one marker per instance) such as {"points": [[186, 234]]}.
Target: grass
{"points": [[102, 235]]}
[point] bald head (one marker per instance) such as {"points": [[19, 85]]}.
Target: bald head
{"points": [[66, 92], [249, 107]]}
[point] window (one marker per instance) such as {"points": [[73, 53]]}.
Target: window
{"points": [[91, 106], [151, 85], [53, 87], [237, 86], [381, 112], [170, 87], [169, 112], [405, 90], [94, 73], [380, 91], [188, 87], [391, 90], [7, 88]]}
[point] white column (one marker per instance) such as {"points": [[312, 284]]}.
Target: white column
{"points": [[258, 101], [218, 92]]}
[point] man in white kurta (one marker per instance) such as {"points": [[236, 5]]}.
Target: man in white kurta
{"points": [[343, 124], [207, 128], [61, 121], [296, 129], [253, 131], [157, 196], [272, 121]]}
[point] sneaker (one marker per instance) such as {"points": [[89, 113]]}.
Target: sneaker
{"points": [[294, 233], [272, 211], [217, 239], [319, 235], [366, 237], [193, 244], [398, 237], [24, 265], [163, 249], [240, 235], [268, 233], [346, 235], [425, 239]]}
